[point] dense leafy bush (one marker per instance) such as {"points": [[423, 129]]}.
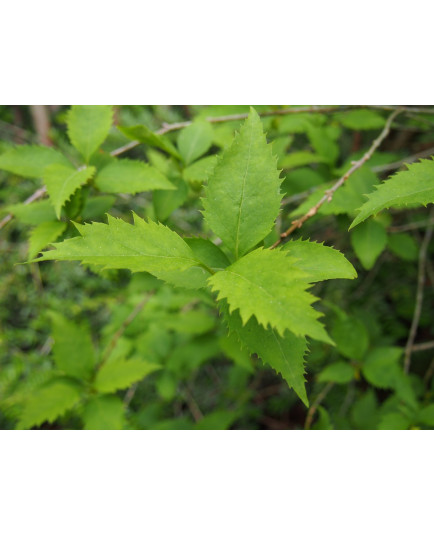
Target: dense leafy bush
{"points": [[240, 267]]}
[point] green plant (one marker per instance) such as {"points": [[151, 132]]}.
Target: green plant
{"points": [[212, 272]]}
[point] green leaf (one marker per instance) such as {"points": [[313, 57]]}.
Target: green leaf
{"points": [[369, 241], [318, 261], [361, 119], [404, 246], [351, 337], [88, 127], [394, 421], [31, 160], [34, 213], [104, 413], [62, 182], [130, 177], [48, 403], [44, 234], [143, 247], [381, 367], [120, 374], [165, 202], [218, 420], [426, 415], [414, 186], [200, 171], [284, 354], [143, 134], [208, 253], [266, 285], [364, 412], [339, 372], [73, 351], [195, 140], [242, 197]]}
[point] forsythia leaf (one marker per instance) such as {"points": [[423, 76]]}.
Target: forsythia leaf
{"points": [[318, 261], [49, 403], [143, 134], [73, 351], [143, 247], [414, 186], [284, 354], [115, 375], [130, 177], [44, 234], [243, 195], [62, 182], [104, 413], [195, 140], [31, 160], [88, 127], [266, 284]]}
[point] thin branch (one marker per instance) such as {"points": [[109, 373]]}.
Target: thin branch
{"points": [[328, 196], [409, 160], [423, 346], [316, 404], [114, 340], [419, 295], [36, 195], [410, 226]]}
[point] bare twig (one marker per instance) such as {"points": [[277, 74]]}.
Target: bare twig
{"points": [[36, 195], [114, 340], [328, 196], [316, 404], [423, 346], [192, 405], [419, 295], [41, 122], [410, 226], [408, 160]]}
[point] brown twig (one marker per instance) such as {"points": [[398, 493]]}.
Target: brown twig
{"points": [[419, 295], [408, 160], [421, 347], [316, 404], [328, 196]]}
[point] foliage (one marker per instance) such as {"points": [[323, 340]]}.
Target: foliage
{"points": [[196, 315]]}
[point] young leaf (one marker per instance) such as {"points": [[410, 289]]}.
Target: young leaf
{"points": [[143, 247], [265, 284], [318, 261], [369, 241], [284, 354], [62, 182], [130, 177], [44, 234], [242, 197], [73, 351], [115, 375], [88, 127], [195, 140], [414, 186], [49, 403], [143, 134], [104, 413], [31, 160]]}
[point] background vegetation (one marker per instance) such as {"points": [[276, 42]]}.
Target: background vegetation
{"points": [[183, 370]]}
